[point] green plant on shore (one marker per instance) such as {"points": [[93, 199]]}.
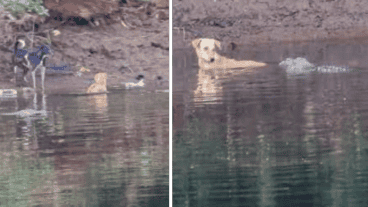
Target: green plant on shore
{"points": [[46, 41], [19, 7]]}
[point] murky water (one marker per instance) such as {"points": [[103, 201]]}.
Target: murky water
{"points": [[264, 138], [99, 150]]}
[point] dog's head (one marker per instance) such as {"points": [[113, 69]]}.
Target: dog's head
{"points": [[206, 49], [101, 78]]}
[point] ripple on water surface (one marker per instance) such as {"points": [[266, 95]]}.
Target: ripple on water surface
{"points": [[264, 138], [101, 150]]}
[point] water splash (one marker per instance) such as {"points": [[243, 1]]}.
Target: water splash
{"points": [[300, 66]]}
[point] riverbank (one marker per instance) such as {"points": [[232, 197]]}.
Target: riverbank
{"points": [[254, 22], [120, 50]]}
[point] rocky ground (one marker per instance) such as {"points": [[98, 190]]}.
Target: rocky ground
{"points": [[138, 45], [255, 21]]}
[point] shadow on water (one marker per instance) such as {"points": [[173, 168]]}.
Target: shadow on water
{"points": [[99, 150], [264, 138]]}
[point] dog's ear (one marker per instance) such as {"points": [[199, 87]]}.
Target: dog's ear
{"points": [[196, 43], [218, 44], [232, 46]]}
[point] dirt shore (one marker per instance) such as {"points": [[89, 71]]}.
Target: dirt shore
{"points": [[254, 21], [123, 51]]}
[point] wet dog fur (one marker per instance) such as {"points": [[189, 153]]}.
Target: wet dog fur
{"points": [[100, 84], [208, 58]]}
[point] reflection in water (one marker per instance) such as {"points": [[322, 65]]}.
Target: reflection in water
{"points": [[209, 88], [29, 115], [99, 102], [273, 140], [210, 83], [96, 150]]}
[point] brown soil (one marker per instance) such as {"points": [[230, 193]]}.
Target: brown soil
{"points": [[254, 21], [122, 52]]}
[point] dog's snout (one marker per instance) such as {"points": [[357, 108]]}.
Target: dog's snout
{"points": [[212, 60]]}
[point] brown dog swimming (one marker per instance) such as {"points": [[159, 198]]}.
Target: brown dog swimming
{"points": [[100, 85], [208, 58]]}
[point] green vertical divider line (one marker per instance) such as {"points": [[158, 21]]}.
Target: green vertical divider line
{"points": [[170, 92]]}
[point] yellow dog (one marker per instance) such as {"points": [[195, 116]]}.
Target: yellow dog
{"points": [[208, 58], [100, 85]]}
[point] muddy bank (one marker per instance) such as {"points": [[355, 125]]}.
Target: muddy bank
{"points": [[139, 45], [252, 21]]}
